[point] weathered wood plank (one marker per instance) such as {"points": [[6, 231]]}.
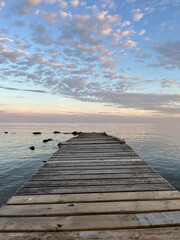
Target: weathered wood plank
{"points": [[95, 197], [95, 176], [95, 189], [113, 154], [41, 210], [92, 222], [69, 168], [162, 233], [55, 164], [93, 182], [96, 161], [93, 171]]}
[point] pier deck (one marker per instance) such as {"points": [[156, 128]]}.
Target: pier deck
{"points": [[93, 187]]}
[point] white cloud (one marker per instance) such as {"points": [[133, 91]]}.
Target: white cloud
{"points": [[2, 4], [6, 40], [50, 1], [137, 14], [120, 34], [129, 44], [13, 55], [108, 4], [74, 3], [63, 14], [101, 15], [105, 31], [34, 2], [62, 3], [126, 23], [50, 17], [142, 32]]}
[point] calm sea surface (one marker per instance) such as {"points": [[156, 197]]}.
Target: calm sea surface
{"points": [[158, 144]]}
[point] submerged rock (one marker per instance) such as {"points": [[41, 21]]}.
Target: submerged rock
{"points": [[122, 141], [75, 133], [47, 140], [55, 132], [36, 133], [32, 148]]}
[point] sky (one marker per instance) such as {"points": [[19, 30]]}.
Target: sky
{"points": [[89, 60]]}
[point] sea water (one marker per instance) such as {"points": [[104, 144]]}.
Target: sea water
{"points": [[157, 144]]}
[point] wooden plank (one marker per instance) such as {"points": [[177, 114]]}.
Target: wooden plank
{"points": [[95, 189], [93, 182], [97, 161], [94, 171], [92, 222], [95, 197], [94, 164], [162, 233], [94, 176], [69, 168], [97, 154], [96, 147], [41, 210], [94, 150]]}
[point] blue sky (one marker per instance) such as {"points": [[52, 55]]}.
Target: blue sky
{"points": [[102, 59]]}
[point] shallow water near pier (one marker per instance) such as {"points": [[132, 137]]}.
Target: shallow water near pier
{"points": [[157, 144]]}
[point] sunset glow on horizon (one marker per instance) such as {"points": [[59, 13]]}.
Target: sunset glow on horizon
{"points": [[73, 60]]}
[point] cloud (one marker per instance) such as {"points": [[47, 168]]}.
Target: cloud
{"points": [[24, 90], [120, 34], [169, 83], [129, 44], [2, 4], [63, 4], [6, 40], [41, 34], [13, 55], [137, 14], [20, 23], [51, 18], [74, 3], [108, 4], [142, 32], [64, 15], [21, 7], [157, 103], [34, 2], [125, 23], [167, 55], [50, 1]]}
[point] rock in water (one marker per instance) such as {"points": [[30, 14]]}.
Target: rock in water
{"points": [[32, 148], [47, 140], [75, 133], [55, 132], [122, 141], [36, 133]]}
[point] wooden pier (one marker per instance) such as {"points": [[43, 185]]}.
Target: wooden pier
{"points": [[93, 188]]}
